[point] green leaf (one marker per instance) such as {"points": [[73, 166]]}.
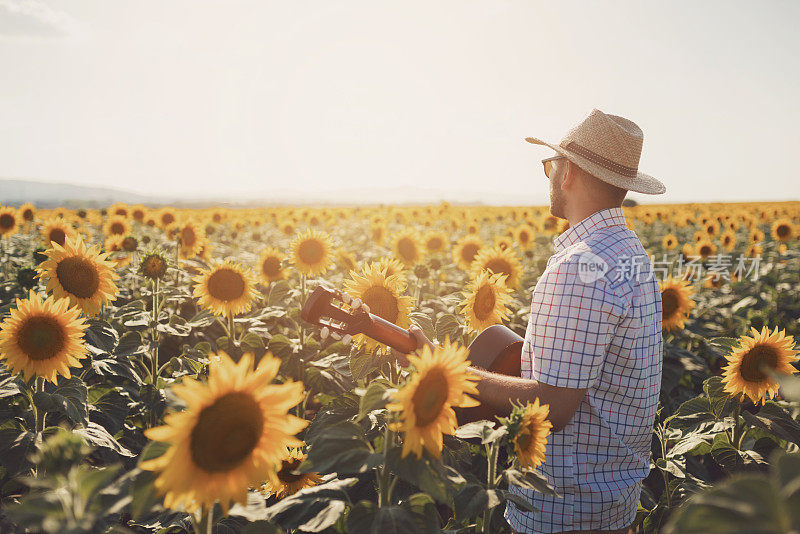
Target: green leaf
{"points": [[365, 517], [725, 454], [253, 341], [377, 394], [423, 511], [341, 448], [472, 500], [108, 407], [530, 479], [312, 509], [776, 420], [438, 480], [363, 363], [424, 321], [278, 293], [446, 325], [521, 502], [475, 429], [281, 346], [98, 436], [68, 397]]}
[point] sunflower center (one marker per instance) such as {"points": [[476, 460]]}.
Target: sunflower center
{"points": [[524, 439], [167, 219], [435, 243], [188, 237], [669, 302], [27, 214], [58, 235], [752, 361], [484, 302], [271, 266], [705, 250], [498, 265], [41, 337], [310, 251], [430, 396], [154, 267], [782, 230], [226, 285], [407, 248], [226, 432], [469, 251], [285, 472], [524, 237], [117, 228], [78, 276], [381, 302], [7, 221]]}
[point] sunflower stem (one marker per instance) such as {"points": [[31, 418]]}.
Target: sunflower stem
{"points": [[231, 330], [384, 484], [736, 428], [491, 469], [38, 415], [154, 358]]}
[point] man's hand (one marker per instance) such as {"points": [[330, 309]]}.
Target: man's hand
{"points": [[422, 340]]}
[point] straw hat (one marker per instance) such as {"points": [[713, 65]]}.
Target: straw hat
{"points": [[608, 147]]}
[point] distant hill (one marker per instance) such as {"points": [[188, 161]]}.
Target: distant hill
{"points": [[45, 194], [50, 195]]}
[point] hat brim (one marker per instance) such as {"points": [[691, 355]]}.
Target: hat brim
{"points": [[642, 183]]}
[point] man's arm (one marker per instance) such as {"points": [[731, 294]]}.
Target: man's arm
{"points": [[497, 391]]}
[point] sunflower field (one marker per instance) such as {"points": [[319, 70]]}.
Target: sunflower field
{"points": [[156, 374]]}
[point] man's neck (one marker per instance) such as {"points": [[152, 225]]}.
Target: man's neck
{"points": [[579, 213]]}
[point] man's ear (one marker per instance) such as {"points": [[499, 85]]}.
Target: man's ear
{"points": [[568, 176]]}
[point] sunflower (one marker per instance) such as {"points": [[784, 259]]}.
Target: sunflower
{"points": [[117, 225], [407, 247], [43, 338], [270, 265], [377, 233], [783, 230], [191, 235], [9, 221], [465, 250], [503, 242], [435, 241], [153, 265], [524, 235], [232, 434], [487, 299], [286, 482], [498, 260], [57, 230], [27, 212], [383, 294], [669, 242], [745, 373], [676, 302], [225, 289], [440, 382], [705, 248], [80, 274], [529, 427], [345, 259], [166, 217], [728, 240], [311, 252]]}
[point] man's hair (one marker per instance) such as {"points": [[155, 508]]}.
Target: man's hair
{"points": [[610, 191]]}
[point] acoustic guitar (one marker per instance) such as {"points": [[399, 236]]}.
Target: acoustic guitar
{"points": [[497, 348]]}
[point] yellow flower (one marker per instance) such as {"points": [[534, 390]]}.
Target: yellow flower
{"points": [[27, 212], [269, 265], [383, 295], [310, 252], [486, 302], [80, 274], [225, 289], [43, 338], [440, 382], [498, 260], [524, 235], [669, 242], [117, 225], [407, 247], [9, 221], [231, 436], [532, 428], [745, 373], [192, 237], [153, 265], [676, 302], [466, 249], [435, 241], [783, 230], [286, 482]]}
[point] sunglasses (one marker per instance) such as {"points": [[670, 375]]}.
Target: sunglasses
{"points": [[548, 164]]}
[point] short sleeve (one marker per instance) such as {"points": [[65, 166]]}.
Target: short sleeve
{"points": [[571, 326]]}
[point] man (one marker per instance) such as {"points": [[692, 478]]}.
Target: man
{"points": [[593, 346]]}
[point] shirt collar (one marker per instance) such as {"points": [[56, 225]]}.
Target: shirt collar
{"points": [[595, 221]]}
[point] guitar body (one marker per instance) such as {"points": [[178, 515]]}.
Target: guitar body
{"points": [[497, 349]]}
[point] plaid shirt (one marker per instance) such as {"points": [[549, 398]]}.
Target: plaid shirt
{"points": [[595, 323]]}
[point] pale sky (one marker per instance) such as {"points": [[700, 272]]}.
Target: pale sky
{"points": [[217, 98]]}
